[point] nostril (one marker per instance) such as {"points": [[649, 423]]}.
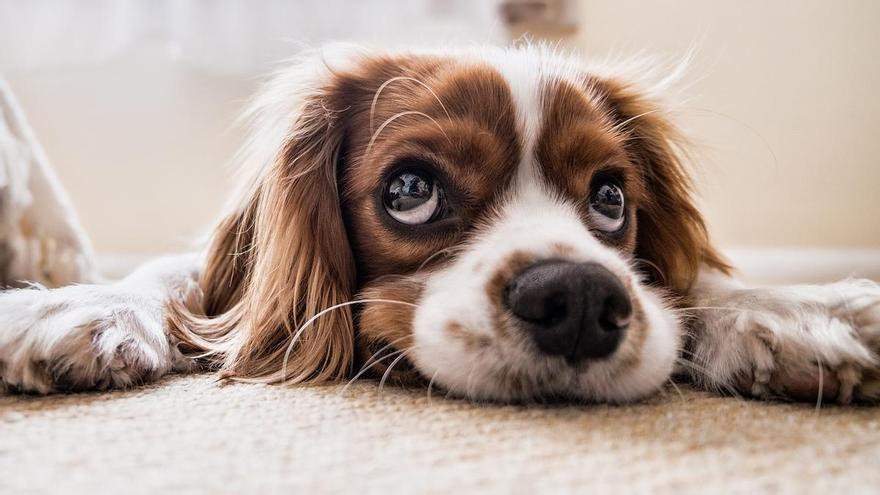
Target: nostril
{"points": [[616, 313], [536, 306]]}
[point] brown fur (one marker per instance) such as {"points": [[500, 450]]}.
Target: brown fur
{"points": [[672, 234], [276, 262], [311, 234]]}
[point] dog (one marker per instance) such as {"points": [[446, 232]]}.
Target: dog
{"points": [[507, 224]]}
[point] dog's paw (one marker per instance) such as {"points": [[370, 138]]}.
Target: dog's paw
{"points": [[803, 342], [80, 338]]}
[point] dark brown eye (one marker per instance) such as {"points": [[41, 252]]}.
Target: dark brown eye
{"points": [[413, 198], [607, 207]]}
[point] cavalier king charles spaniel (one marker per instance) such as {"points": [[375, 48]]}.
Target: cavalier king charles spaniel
{"points": [[506, 224]]}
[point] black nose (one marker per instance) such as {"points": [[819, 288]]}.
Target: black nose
{"points": [[576, 310]]}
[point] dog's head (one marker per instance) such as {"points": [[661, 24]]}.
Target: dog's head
{"points": [[509, 219]]}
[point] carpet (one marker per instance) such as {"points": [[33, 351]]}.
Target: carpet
{"points": [[189, 434]]}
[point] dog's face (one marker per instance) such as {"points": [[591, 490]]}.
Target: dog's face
{"points": [[506, 217]]}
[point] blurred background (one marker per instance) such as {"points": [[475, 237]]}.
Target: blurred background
{"points": [[135, 102]]}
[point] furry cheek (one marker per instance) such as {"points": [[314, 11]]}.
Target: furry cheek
{"points": [[384, 338]]}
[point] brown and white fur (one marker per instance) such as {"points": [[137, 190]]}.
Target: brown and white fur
{"points": [[307, 278]]}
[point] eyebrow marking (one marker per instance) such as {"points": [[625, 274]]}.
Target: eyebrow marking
{"points": [[397, 116], [402, 78]]}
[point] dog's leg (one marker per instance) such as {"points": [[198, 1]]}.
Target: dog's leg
{"points": [[806, 342], [89, 337]]}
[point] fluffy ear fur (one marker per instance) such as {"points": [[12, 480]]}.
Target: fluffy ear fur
{"points": [[672, 235], [282, 255]]}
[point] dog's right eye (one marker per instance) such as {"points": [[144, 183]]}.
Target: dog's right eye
{"points": [[413, 198]]}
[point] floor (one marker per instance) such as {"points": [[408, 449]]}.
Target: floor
{"points": [[189, 434]]}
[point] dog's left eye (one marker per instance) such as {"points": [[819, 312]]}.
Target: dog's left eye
{"points": [[607, 207], [413, 198]]}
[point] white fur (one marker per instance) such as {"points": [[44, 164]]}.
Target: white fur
{"points": [[532, 221], [94, 336], [768, 341]]}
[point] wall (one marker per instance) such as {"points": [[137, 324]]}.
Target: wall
{"points": [[784, 110]]}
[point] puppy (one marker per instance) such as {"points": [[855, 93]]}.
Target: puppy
{"points": [[506, 224]]}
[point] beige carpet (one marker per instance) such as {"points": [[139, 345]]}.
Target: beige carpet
{"points": [[191, 435]]}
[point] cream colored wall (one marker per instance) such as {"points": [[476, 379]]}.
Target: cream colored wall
{"points": [[143, 142], [794, 79]]}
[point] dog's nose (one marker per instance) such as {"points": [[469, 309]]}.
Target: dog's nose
{"points": [[576, 310]]}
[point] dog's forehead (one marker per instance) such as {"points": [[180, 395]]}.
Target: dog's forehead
{"points": [[485, 123], [529, 103]]}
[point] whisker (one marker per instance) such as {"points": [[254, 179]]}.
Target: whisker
{"points": [[709, 376], [434, 255], [621, 125], [677, 390], [693, 308], [652, 265], [403, 78], [365, 369], [397, 116], [390, 344], [373, 360], [431, 384], [821, 391], [743, 124], [321, 313], [390, 366]]}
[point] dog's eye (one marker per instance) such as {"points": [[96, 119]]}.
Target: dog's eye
{"points": [[606, 207], [413, 198]]}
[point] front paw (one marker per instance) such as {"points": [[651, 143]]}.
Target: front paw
{"points": [[803, 343], [79, 338]]}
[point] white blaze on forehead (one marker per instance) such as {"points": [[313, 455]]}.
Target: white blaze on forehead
{"points": [[529, 71], [525, 78]]}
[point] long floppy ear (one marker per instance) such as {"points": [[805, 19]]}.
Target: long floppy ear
{"points": [[282, 255], [672, 235]]}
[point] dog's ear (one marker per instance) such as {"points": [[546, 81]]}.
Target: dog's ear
{"points": [[282, 255], [672, 235]]}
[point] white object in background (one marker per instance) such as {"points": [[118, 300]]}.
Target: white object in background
{"points": [[804, 265], [227, 36], [41, 239]]}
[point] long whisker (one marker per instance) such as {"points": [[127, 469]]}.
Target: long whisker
{"points": [[435, 255], [372, 361], [365, 369], [695, 308], [321, 313], [390, 366], [431, 384], [621, 125], [397, 116], [677, 390], [705, 372], [821, 391], [652, 265], [743, 124], [377, 353], [402, 78]]}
